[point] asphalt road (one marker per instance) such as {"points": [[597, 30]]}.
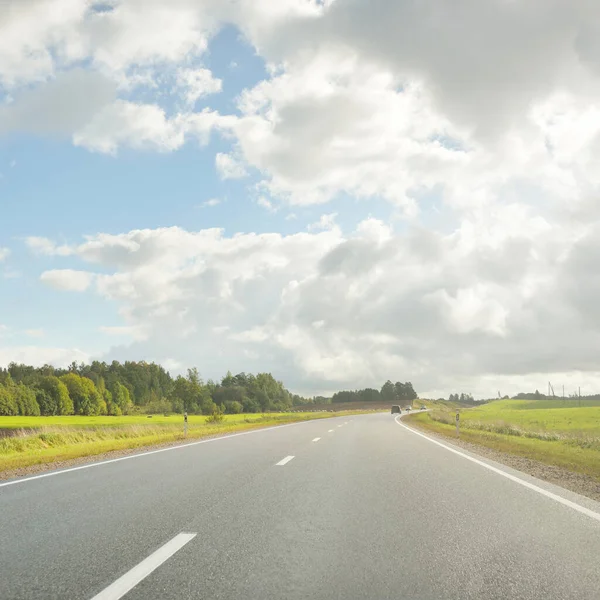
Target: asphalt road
{"points": [[370, 510]]}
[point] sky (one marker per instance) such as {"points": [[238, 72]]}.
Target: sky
{"points": [[339, 192]]}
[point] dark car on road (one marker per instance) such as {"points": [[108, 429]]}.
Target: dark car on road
{"points": [[396, 409]]}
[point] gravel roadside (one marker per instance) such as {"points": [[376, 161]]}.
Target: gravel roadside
{"points": [[576, 482]]}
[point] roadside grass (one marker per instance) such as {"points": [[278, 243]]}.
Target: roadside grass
{"points": [[41, 440], [564, 436], [69, 421]]}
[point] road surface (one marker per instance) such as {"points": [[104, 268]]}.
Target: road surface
{"points": [[342, 508]]}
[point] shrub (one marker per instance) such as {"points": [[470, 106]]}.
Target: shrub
{"points": [[250, 405], [158, 406], [216, 416], [208, 408], [233, 407]]}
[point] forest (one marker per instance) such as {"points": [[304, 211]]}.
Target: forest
{"points": [[140, 387], [135, 387], [390, 393]]}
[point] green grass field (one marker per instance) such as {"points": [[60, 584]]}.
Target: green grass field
{"points": [[87, 422], [550, 431], [27, 441], [545, 417]]}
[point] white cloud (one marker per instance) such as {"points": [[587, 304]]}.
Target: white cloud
{"points": [[229, 167], [44, 246], [211, 202], [135, 332], [197, 83], [147, 32], [137, 125], [146, 127], [170, 364], [325, 222], [39, 355], [35, 333], [265, 203], [335, 124], [67, 279], [29, 31], [472, 307], [60, 106], [4, 253]]}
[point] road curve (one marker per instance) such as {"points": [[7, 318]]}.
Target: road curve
{"points": [[343, 508]]}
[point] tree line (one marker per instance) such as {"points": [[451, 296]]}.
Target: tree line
{"points": [[466, 398], [390, 392], [134, 387]]}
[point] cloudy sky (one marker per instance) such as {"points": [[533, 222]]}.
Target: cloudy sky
{"points": [[336, 191]]}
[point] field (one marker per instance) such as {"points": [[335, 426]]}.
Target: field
{"points": [[554, 432], [28, 441], [12, 423]]}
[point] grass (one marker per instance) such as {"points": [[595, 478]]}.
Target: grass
{"points": [[40, 440], [94, 422], [550, 432]]}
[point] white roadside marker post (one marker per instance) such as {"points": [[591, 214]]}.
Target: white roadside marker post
{"points": [[457, 428], [185, 424]]}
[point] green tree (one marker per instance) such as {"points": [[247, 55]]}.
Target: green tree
{"points": [[8, 405], [53, 397], [388, 392], [250, 405], [26, 401], [408, 392], [83, 392], [190, 394], [345, 396], [233, 407], [369, 395], [121, 401]]}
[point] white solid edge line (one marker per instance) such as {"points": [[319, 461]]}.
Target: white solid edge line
{"points": [[531, 486], [148, 453], [316, 439], [284, 461], [128, 581]]}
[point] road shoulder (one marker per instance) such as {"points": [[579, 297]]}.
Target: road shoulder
{"points": [[576, 482]]}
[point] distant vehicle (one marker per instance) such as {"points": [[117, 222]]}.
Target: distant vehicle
{"points": [[396, 409], [407, 408], [423, 408]]}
